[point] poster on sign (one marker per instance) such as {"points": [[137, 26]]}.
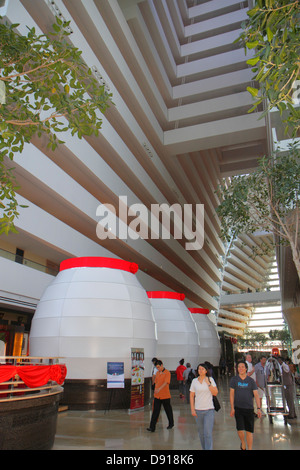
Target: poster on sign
{"points": [[137, 379], [115, 375]]}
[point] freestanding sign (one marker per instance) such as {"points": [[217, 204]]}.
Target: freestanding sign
{"points": [[137, 379], [115, 375]]}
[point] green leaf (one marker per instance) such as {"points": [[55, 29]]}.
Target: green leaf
{"points": [[253, 91], [269, 34], [253, 61], [255, 106], [252, 12], [252, 45], [56, 28]]}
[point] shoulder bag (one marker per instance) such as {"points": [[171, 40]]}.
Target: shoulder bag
{"points": [[216, 402]]}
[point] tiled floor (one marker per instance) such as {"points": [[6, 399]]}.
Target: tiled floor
{"points": [[120, 430]]}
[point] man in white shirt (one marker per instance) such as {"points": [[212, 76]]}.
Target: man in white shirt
{"points": [[251, 373], [251, 370]]}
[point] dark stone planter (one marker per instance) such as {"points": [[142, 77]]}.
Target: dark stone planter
{"points": [[94, 395], [29, 424]]}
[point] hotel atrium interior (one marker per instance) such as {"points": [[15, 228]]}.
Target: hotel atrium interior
{"points": [[178, 125], [177, 128]]}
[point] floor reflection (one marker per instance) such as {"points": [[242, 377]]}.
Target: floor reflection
{"points": [[119, 430]]}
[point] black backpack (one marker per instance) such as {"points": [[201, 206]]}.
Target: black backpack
{"points": [[191, 376]]}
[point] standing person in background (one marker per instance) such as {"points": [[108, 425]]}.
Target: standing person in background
{"points": [[154, 370], [188, 376], [251, 373], [261, 379], [242, 391], [202, 390], [162, 396], [179, 373], [288, 384]]}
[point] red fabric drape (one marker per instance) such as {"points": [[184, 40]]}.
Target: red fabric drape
{"points": [[34, 376]]}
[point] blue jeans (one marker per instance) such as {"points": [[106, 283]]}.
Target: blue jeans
{"points": [[205, 424]]}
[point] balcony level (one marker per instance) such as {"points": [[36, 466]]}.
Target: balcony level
{"points": [[21, 286]]}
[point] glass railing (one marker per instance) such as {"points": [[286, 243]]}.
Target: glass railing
{"points": [[28, 262], [252, 291]]}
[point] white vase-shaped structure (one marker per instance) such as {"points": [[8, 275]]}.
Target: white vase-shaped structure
{"points": [[92, 313], [177, 335], [210, 347]]}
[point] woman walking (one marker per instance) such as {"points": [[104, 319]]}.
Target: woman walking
{"points": [[202, 390]]}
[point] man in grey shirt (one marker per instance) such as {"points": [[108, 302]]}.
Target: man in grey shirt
{"points": [[261, 378], [288, 383]]}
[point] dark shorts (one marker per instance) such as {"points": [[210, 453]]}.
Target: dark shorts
{"points": [[244, 418]]}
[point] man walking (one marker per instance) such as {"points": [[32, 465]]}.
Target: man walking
{"points": [[242, 391], [162, 396]]}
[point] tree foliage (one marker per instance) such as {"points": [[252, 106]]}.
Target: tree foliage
{"points": [[47, 89], [252, 339], [273, 32], [267, 199], [284, 336]]}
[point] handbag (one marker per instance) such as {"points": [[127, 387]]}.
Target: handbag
{"points": [[216, 402]]}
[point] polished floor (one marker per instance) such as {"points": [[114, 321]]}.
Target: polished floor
{"points": [[119, 430]]}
